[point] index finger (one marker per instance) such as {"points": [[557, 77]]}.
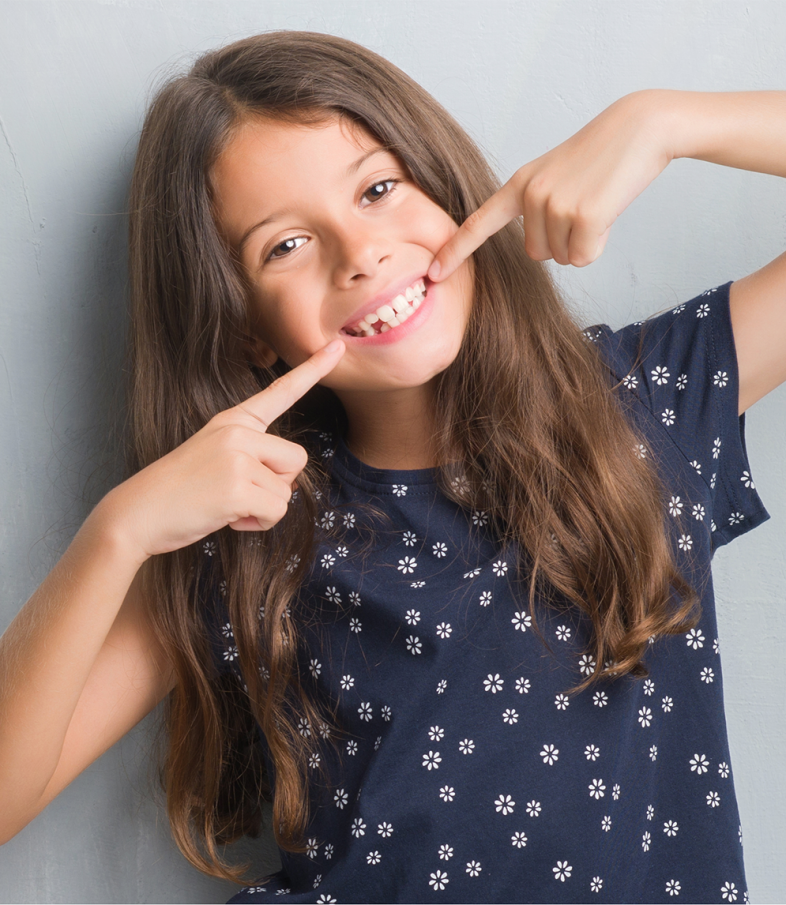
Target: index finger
{"points": [[285, 391], [502, 207]]}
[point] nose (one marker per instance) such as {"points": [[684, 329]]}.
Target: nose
{"points": [[359, 251]]}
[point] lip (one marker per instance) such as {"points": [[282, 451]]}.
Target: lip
{"points": [[383, 298], [410, 325]]}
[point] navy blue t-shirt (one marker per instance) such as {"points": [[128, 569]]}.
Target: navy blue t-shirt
{"points": [[466, 773]]}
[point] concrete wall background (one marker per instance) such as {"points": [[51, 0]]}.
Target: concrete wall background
{"points": [[521, 76]]}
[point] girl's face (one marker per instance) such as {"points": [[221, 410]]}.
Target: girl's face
{"points": [[332, 233]]}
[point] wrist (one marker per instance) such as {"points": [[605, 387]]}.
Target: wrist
{"points": [[110, 521]]}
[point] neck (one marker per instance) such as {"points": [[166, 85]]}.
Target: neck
{"points": [[392, 430]]}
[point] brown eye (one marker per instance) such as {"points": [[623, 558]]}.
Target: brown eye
{"points": [[380, 190], [284, 248]]}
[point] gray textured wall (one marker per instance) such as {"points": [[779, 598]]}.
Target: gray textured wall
{"points": [[521, 76]]}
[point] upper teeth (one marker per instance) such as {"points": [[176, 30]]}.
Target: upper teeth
{"points": [[394, 312]]}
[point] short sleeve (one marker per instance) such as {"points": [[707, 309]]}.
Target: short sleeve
{"points": [[681, 367]]}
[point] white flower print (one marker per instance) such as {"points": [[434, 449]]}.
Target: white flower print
{"points": [[605, 824], [698, 512], [418, 584], [328, 851], [316, 668], [679, 309], [347, 682], [442, 685], [304, 727], [313, 761], [327, 561], [668, 417], [352, 747], [436, 733], [407, 565], [445, 853], [673, 887], [646, 839], [459, 484], [521, 621], [373, 858], [365, 712], [485, 598], [400, 489], [671, 828], [675, 506], [341, 799], [707, 675], [641, 450], [409, 538], [385, 830], [504, 804], [630, 382], [473, 573], [342, 551], [325, 900], [697, 466], [561, 702], [713, 799], [667, 704], [747, 480], [447, 793], [354, 598], [685, 542], [729, 892], [660, 375], [649, 687], [597, 789], [562, 871], [493, 683], [735, 518], [377, 743], [703, 310], [231, 653], [311, 848], [596, 884], [653, 753], [466, 746], [510, 716], [723, 770], [534, 808], [333, 595], [519, 840], [615, 791], [414, 645], [439, 550], [695, 638], [439, 880], [720, 379], [699, 764], [444, 629], [712, 480], [600, 699], [209, 547], [562, 633], [286, 892], [358, 828], [412, 617], [550, 754], [432, 760], [473, 868], [226, 630], [386, 713], [682, 381], [587, 665], [479, 517], [523, 685], [328, 520], [592, 752], [716, 447], [500, 568], [349, 520]]}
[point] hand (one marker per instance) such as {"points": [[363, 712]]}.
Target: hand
{"points": [[570, 197], [231, 472]]}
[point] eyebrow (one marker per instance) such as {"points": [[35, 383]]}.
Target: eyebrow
{"points": [[351, 170]]}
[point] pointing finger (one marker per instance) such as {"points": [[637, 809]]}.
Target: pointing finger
{"points": [[502, 207], [286, 390]]}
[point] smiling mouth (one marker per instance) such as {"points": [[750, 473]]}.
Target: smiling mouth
{"points": [[391, 314]]}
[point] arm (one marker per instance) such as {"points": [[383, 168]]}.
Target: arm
{"points": [[570, 197]]}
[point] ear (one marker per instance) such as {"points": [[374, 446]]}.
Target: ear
{"points": [[259, 352]]}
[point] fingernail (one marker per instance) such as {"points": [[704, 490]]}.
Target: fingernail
{"points": [[334, 346], [433, 271]]}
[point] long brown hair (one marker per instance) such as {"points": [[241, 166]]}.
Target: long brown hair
{"points": [[543, 444]]}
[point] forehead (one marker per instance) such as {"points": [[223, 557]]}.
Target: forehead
{"points": [[272, 164]]}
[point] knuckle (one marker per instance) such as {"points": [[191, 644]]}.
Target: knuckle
{"points": [[474, 221]]}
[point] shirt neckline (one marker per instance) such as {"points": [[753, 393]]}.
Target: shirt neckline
{"points": [[349, 468]]}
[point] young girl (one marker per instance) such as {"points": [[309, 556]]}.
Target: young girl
{"points": [[406, 551]]}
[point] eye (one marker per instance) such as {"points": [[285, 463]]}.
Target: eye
{"points": [[379, 190], [286, 247]]}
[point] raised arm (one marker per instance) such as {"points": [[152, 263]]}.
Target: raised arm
{"points": [[571, 196]]}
